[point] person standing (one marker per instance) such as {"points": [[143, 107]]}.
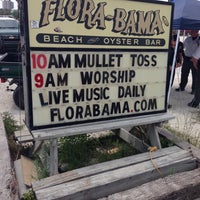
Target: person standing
{"points": [[178, 61], [196, 62], [191, 43]]}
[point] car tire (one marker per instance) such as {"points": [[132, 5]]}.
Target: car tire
{"points": [[18, 97]]}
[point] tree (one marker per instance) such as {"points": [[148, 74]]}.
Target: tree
{"points": [[5, 12], [15, 14]]}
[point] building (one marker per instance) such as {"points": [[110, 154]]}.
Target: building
{"points": [[7, 4]]}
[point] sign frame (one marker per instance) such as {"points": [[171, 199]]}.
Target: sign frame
{"points": [[29, 108]]}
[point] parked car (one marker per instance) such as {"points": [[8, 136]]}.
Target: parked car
{"points": [[10, 38], [10, 57]]}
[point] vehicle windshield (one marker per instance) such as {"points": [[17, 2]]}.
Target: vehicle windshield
{"points": [[8, 24]]}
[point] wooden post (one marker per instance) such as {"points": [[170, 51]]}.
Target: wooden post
{"points": [[53, 157], [154, 136], [133, 141]]}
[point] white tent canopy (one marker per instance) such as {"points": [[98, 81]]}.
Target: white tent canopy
{"points": [[186, 15]]}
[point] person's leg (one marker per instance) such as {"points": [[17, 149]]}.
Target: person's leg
{"points": [[184, 74], [196, 100], [194, 77], [197, 87]]}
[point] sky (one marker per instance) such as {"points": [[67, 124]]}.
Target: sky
{"points": [[14, 1]]}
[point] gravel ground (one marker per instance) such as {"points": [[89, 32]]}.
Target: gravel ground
{"points": [[185, 121], [8, 184], [7, 104]]}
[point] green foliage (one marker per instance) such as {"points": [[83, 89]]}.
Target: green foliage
{"points": [[29, 196], [10, 124], [75, 150], [5, 12], [82, 150], [15, 14], [10, 13], [172, 171], [42, 171], [165, 142], [113, 147]]}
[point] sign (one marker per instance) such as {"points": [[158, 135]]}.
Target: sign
{"points": [[95, 61], [99, 24]]}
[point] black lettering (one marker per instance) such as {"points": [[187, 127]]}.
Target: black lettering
{"points": [[90, 94], [54, 97], [136, 109], [91, 61], [79, 112], [61, 62], [113, 76], [64, 63], [96, 110], [80, 62], [41, 97], [146, 60], [53, 61], [133, 56], [115, 108], [50, 80], [97, 60], [88, 112], [131, 91], [152, 104], [61, 80], [105, 110], [131, 75], [154, 61], [55, 112], [78, 96], [97, 77], [69, 112], [143, 105]]}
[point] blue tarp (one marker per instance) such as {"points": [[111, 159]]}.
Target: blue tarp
{"points": [[186, 15]]}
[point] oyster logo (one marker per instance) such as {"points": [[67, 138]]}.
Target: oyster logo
{"points": [[131, 22]]}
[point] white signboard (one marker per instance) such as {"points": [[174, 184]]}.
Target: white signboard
{"points": [[74, 87], [95, 61]]}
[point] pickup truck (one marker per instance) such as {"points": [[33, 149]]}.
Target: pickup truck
{"points": [[12, 72], [10, 58]]}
